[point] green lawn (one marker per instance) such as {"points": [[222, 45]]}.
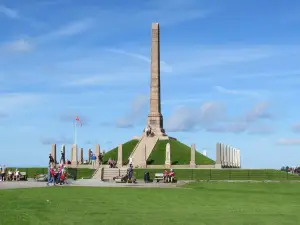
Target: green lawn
{"points": [[198, 203], [127, 148], [180, 154]]}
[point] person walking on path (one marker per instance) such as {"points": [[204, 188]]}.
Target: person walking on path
{"points": [[94, 158]]}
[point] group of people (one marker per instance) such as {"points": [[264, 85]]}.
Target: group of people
{"points": [[169, 176], [9, 175], [148, 131], [57, 176], [93, 159]]}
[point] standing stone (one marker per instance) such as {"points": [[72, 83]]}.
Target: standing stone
{"points": [[222, 155], [97, 151], [71, 153], [81, 156], [234, 158], [168, 156], [89, 155], [63, 153], [218, 164], [231, 156], [53, 153], [155, 118], [239, 158], [120, 156], [225, 155], [74, 160], [193, 156]]}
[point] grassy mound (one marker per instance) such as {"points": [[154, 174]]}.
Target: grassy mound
{"points": [[195, 204], [222, 174], [180, 154], [127, 148]]}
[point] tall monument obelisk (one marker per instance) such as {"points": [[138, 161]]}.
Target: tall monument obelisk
{"points": [[155, 118]]}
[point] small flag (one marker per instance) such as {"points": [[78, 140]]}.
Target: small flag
{"points": [[78, 120]]}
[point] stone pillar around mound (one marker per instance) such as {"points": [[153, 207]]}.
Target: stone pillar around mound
{"points": [[231, 156], [239, 158], [193, 156], [74, 155], [81, 156], [218, 164], [168, 156], [53, 152], [89, 155], [120, 156], [63, 152], [222, 154], [225, 155], [71, 153], [97, 152], [234, 158]]}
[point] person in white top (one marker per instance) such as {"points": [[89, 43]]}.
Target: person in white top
{"points": [[130, 161], [17, 174]]}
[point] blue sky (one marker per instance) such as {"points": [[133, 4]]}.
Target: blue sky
{"points": [[229, 73]]}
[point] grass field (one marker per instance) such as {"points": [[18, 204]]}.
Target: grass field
{"points": [[196, 203]]}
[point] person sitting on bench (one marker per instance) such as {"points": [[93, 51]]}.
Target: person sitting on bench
{"points": [[166, 176], [171, 175]]}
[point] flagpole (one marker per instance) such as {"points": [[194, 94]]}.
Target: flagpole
{"points": [[75, 133]]}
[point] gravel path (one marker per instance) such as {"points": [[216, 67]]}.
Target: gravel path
{"points": [[86, 183]]}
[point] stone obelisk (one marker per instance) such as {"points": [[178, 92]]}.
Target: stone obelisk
{"points": [[155, 118]]}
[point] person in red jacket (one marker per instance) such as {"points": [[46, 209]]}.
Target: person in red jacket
{"points": [[171, 175], [166, 176]]}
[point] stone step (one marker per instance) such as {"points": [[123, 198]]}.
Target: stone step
{"points": [[110, 173]]}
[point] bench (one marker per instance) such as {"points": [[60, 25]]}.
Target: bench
{"points": [[158, 177], [23, 176]]}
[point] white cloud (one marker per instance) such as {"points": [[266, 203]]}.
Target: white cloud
{"points": [[71, 29], [259, 111], [164, 67], [9, 103], [135, 112], [213, 117], [237, 92], [57, 140], [296, 128], [289, 141], [188, 119], [19, 46], [11, 13]]}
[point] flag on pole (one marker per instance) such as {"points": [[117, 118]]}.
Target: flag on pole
{"points": [[77, 119]]}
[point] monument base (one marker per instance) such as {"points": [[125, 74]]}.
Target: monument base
{"points": [[168, 165], [193, 165], [218, 166]]}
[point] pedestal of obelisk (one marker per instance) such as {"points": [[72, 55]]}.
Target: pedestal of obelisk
{"points": [[155, 118]]}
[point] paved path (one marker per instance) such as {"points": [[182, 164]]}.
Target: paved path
{"points": [[86, 183]]}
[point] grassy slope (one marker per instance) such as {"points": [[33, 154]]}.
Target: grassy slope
{"points": [[180, 154], [196, 204], [127, 149]]}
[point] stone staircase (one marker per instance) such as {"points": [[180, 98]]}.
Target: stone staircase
{"points": [[98, 174], [110, 173], [139, 154]]}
